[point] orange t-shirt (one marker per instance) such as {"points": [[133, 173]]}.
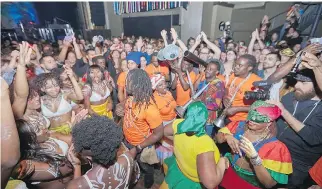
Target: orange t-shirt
{"points": [[166, 105], [239, 99], [151, 69], [121, 80], [184, 96], [138, 123]]}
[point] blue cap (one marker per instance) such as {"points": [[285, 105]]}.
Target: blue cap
{"points": [[134, 56]]}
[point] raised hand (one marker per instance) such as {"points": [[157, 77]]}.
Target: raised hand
{"points": [[164, 34], [254, 34], [204, 36], [69, 71], [310, 61], [174, 34], [66, 43], [314, 49], [15, 54], [198, 39], [24, 53]]}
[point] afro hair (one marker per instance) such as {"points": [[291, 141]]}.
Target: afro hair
{"points": [[101, 136]]}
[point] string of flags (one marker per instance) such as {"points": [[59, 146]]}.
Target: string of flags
{"points": [[130, 7]]}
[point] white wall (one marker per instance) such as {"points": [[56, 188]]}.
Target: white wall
{"points": [[115, 21], [192, 19], [221, 13]]}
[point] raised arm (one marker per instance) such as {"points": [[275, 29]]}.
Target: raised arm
{"points": [[260, 42], [311, 135], [10, 145], [197, 43], [211, 45], [312, 62], [21, 88], [63, 52], [78, 91], [78, 52], [251, 43], [164, 37]]}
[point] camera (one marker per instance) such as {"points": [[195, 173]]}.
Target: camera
{"points": [[261, 91], [260, 94]]}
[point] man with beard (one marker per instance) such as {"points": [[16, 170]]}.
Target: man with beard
{"points": [[300, 126]]}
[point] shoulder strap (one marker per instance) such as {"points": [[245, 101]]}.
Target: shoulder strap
{"points": [[88, 181], [263, 142]]}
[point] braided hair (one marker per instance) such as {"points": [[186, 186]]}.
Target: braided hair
{"points": [[138, 84]]}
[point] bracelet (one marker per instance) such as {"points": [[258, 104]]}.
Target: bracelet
{"points": [[73, 163], [256, 161]]}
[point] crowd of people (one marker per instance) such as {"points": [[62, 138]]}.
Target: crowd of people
{"points": [[105, 114]]}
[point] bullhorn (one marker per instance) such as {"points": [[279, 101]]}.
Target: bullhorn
{"points": [[182, 109], [193, 58]]}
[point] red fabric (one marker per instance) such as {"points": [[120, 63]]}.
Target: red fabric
{"points": [[272, 112], [316, 172], [232, 181]]}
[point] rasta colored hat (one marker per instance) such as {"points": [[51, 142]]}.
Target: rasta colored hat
{"points": [[263, 112], [195, 119], [156, 79], [134, 56]]}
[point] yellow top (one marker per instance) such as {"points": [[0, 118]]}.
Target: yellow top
{"points": [[187, 148]]}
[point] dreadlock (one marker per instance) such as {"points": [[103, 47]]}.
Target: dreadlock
{"points": [[139, 83]]}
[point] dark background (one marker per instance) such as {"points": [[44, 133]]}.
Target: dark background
{"points": [[64, 10]]}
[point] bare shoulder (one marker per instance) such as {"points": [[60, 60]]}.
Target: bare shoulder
{"points": [[79, 182]]}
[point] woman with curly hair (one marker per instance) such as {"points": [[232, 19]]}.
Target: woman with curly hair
{"points": [[97, 93], [41, 166], [55, 105], [112, 164]]}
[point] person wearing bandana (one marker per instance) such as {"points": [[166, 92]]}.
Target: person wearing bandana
{"points": [[300, 126], [258, 159], [196, 162]]}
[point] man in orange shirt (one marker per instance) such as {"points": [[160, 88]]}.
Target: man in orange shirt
{"points": [[156, 68], [133, 60], [181, 83], [142, 125], [240, 82]]}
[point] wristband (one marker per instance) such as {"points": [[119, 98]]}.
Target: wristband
{"points": [[256, 161]]}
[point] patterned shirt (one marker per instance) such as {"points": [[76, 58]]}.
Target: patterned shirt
{"points": [[212, 97]]}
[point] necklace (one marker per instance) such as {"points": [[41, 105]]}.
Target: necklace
{"points": [[293, 114], [255, 144], [236, 89]]}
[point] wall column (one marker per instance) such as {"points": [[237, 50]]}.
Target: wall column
{"points": [[191, 20]]}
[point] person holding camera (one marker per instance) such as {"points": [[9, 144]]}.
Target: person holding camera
{"points": [[300, 126], [236, 107]]}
